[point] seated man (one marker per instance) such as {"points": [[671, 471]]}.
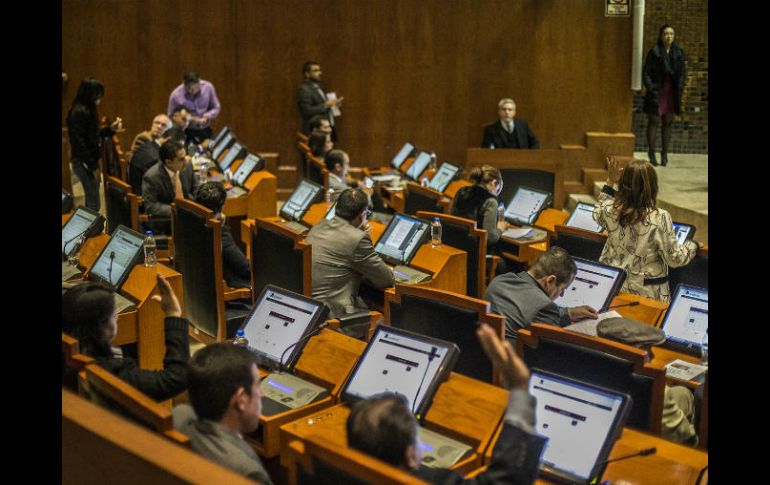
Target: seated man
{"points": [[223, 384], [165, 181], [384, 427], [319, 125], [338, 164], [508, 132], [147, 155], [160, 124], [527, 297], [343, 256], [235, 267]]}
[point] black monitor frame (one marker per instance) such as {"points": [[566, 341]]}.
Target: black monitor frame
{"points": [[136, 258], [94, 228], [393, 161], [454, 176], [570, 222], [319, 190], [223, 145], [410, 172], [389, 228], [237, 150], [239, 178], [542, 207], [616, 286]]}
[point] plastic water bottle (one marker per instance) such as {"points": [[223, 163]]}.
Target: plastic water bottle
{"points": [[150, 250], [435, 232], [228, 175], [704, 349], [433, 160], [74, 258], [329, 198], [424, 181], [501, 213], [240, 339]]}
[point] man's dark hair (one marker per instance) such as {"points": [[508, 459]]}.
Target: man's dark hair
{"points": [[317, 142], [333, 158], [214, 374], [307, 65], [174, 133], [179, 108], [211, 195], [382, 426], [316, 121], [168, 150], [351, 203], [191, 77], [556, 261]]}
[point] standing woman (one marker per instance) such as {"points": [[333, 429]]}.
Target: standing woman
{"points": [[641, 237], [664, 80], [84, 133]]}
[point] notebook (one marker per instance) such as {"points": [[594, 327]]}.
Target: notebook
{"points": [[687, 319]]}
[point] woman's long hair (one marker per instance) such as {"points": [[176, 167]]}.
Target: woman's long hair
{"points": [[484, 174], [86, 309], [89, 91], [637, 192], [660, 33]]}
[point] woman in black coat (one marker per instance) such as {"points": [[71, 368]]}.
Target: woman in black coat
{"points": [[664, 80]]}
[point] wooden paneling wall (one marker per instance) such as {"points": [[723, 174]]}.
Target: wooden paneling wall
{"points": [[427, 71]]}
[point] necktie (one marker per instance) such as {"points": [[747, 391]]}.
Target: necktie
{"points": [[509, 127], [178, 192]]}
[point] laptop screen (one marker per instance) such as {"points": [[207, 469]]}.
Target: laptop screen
{"points": [[525, 206], [232, 155], [300, 200], [278, 319], [418, 166], [245, 169], [399, 361], [126, 245], [581, 422], [402, 238], [445, 174], [687, 318], [595, 285], [80, 223], [331, 212], [226, 141], [405, 151], [683, 232], [220, 135], [583, 218]]}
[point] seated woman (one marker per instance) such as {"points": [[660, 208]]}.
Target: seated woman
{"points": [[320, 144], [88, 314], [641, 237]]}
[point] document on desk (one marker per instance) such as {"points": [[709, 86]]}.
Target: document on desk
{"points": [[588, 327], [525, 233], [335, 110], [683, 370]]}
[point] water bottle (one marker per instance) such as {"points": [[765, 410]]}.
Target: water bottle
{"points": [[424, 181], [704, 349], [435, 232], [150, 250], [433, 160], [228, 175], [501, 213], [329, 196], [240, 339], [73, 259]]}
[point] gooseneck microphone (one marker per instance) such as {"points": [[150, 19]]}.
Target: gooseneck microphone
{"points": [[281, 366], [644, 452], [64, 248], [431, 355], [109, 271], [632, 303]]}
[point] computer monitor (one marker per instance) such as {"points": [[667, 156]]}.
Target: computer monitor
{"points": [[228, 140], [118, 257], [300, 200], [278, 319], [236, 151], [252, 163], [419, 165], [331, 212], [401, 239], [445, 174], [581, 421], [402, 154], [219, 137], [526, 205], [683, 232], [83, 222], [687, 318], [595, 285], [402, 362], [582, 217]]}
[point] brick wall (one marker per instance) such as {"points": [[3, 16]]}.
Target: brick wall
{"points": [[690, 21]]}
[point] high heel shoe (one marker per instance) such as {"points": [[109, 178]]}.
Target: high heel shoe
{"points": [[653, 161]]}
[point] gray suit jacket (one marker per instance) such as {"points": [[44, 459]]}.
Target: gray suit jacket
{"points": [[343, 256]]}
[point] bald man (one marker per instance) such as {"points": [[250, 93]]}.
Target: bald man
{"points": [[160, 124]]}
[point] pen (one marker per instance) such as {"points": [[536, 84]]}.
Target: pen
{"points": [[632, 303]]}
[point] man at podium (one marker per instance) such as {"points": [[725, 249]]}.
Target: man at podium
{"points": [[508, 132]]}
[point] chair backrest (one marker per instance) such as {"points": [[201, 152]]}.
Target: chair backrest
{"points": [[448, 316], [122, 205], [463, 234], [198, 256], [72, 361], [301, 137], [532, 178], [103, 385], [279, 257], [695, 273], [316, 460], [579, 242], [419, 198], [317, 171], [602, 362]]}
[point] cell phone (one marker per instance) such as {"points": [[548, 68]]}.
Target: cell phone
{"points": [[368, 182]]}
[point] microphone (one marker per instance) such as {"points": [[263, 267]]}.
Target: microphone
{"points": [[431, 356], [633, 303], [109, 271], [281, 366], [64, 248], [644, 452]]}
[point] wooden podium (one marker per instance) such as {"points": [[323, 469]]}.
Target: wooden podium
{"points": [[262, 186]]}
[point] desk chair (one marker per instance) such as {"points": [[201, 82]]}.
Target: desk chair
{"points": [[463, 234], [419, 198], [579, 242], [113, 159], [449, 316], [534, 178], [72, 361], [316, 460], [198, 249], [280, 257], [317, 171], [602, 362], [110, 391], [123, 207], [695, 273], [301, 137]]}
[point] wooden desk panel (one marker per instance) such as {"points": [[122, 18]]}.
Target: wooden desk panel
{"points": [[260, 201], [549, 219], [648, 311]]}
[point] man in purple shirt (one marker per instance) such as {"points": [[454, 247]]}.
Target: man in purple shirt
{"points": [[200, 99]]}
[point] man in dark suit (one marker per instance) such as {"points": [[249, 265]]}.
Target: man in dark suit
{"points": [[384, 427], [508, 132], [147, 155], [165, 181], [312, 100]]}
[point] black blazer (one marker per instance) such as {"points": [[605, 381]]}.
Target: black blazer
{"points": [[657, 66], [235, 267], [310, 103], [494, 134], [158, 194], [143, 158]]}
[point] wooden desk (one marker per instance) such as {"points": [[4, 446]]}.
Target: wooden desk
{"points": [[662, 357], [326, 360], [648, 311], [463, 408], [260, 199]]}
